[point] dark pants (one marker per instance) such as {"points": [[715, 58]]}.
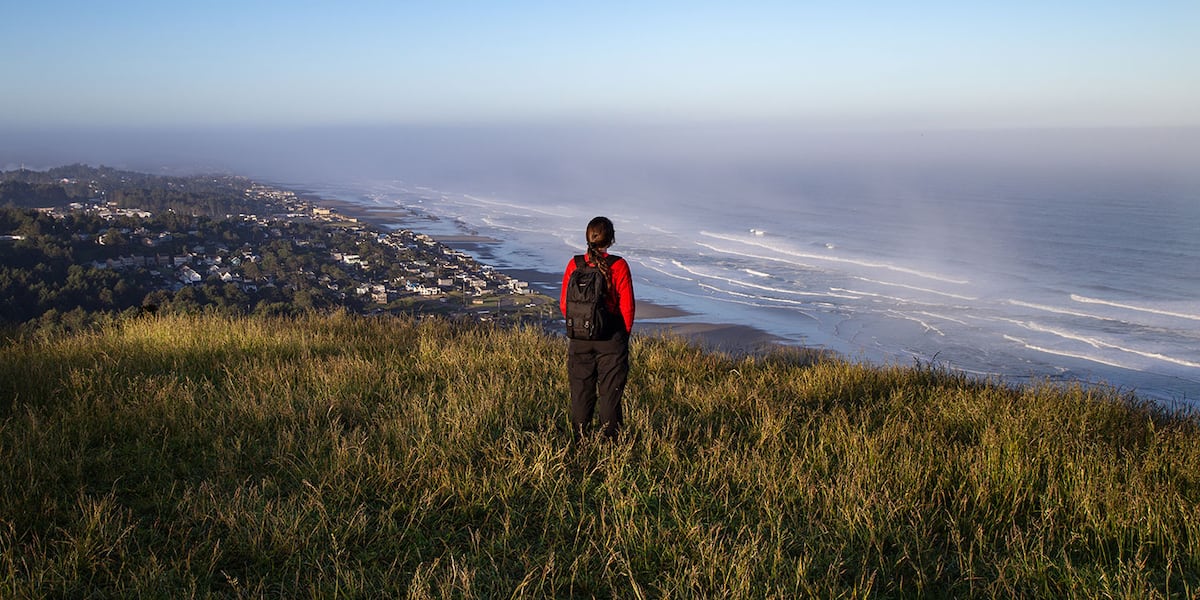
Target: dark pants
{"points": [[598, 370]]}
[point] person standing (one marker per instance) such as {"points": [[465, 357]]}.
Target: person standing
{"points": [[598, 368]]}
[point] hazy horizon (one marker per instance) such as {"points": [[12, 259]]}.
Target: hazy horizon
{"points": [[490, 155]]}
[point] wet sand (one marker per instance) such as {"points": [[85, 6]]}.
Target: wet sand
{"points": [[725, 337], [378, 215], [661, 319]]}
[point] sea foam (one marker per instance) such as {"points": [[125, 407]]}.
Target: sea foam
{"points": [[838, 259], [1133, 307]]}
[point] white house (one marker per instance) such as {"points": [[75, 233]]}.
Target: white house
{"points": [[188, 276]]}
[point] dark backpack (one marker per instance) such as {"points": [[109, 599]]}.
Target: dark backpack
{"points": [[588, 317]]}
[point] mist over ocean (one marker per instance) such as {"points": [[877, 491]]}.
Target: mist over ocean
{"points": [[1062, 255]]}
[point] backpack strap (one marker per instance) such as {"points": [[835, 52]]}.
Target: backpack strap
{"points": [[581, 259]]}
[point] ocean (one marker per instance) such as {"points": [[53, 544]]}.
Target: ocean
{"points": [[1022, 272]]}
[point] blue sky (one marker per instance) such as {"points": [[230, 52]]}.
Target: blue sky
{"points": [[885, 64]]}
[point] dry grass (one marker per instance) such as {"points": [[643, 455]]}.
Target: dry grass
{"points": [[344, 456]]}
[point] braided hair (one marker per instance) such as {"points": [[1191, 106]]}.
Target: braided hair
{"points": [[600, 235]]}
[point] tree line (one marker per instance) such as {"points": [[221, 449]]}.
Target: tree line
{"points": [[209, 195]]}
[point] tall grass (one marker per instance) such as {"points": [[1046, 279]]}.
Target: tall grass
{"points": [[195, 456]]}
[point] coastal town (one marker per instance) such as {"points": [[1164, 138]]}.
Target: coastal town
{"points": [[283, 253]]}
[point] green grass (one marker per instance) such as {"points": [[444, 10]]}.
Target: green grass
{"points": [[344, 456]]}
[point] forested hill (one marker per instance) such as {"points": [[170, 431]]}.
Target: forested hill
{"points": [[208, 195]]}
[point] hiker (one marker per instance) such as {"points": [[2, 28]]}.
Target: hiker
{"points": [[598, 359]]}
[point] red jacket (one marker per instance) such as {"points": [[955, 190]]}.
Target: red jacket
{"points": [[621, 302]]}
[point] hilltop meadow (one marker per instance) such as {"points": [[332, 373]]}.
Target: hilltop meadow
{"points": [[323, 456]]}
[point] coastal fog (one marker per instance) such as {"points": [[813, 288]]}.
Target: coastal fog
{"points": [[1063, 254]]}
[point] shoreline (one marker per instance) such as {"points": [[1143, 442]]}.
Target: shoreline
{"points": [[657, 319], [730, 338], [652, 319]]}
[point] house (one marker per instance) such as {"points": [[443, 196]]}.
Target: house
{"points": [[350, 259], [221, 273], [422, 289], [188, 276]]}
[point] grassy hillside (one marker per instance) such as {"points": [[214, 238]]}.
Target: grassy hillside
{"points": [[342, 456]]}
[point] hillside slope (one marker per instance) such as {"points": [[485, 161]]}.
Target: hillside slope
{"points": [[338, 455]]}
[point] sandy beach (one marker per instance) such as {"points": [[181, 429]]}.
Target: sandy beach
{"points": [[379, 216], [651, 318], [724, 337]]}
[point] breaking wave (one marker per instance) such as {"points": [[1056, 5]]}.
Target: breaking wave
{"points": [[838, 259], [1134, 307]]}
